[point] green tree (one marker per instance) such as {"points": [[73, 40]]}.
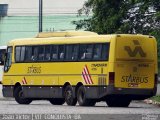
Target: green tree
{"points": [[121, 16]]}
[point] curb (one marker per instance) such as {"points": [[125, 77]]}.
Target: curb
{"points": [[149, 101], [6, 99]]}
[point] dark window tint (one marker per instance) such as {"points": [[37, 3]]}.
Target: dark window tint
{"points": [[8, 59], [41, 53], [54, 52], [22, 53], [18, 54], [85, 52], [47, 56], [97, 51], [61, 52], [34, 53], [71, 52], [105, 51], [28, 53]]}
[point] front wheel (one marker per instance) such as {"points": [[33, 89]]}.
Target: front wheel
{"points": [[113, 101], [81, 97], [19, 96]]}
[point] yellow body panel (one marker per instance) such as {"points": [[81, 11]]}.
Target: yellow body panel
{"points": [[136, 62], [53, 73]]}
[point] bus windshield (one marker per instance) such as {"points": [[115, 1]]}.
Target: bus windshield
{"points": [[8, 59]]}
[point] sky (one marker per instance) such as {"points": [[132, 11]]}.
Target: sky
{"points": [[49, 6]]}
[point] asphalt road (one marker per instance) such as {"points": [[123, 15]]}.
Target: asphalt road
{"points": [[135, 111], [44, 110]]}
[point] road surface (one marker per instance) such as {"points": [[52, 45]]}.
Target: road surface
{"points": [[136, 111]]}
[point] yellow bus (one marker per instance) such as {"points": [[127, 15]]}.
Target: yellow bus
{"points": [[81, 66]]}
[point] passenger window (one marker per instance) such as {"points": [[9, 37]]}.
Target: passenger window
{"points": [[71, 52], [86, 52], [61, 52], [75, 52], [22, 53], [47, 53], [54, 53], [41, 53], [34, 53], [28, 54], [18, 53], [97, 51], [105, 51]]}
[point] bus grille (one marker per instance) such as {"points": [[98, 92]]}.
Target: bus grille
{"points": [[102, 84], [102, 81]]}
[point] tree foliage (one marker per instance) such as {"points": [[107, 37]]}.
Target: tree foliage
{"points": [[121, 16]]}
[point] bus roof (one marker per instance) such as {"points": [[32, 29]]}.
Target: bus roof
{"points": [[68, 37], [65, 34], [61, 40]]}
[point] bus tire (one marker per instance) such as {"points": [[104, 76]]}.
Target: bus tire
{"points": [[18, 94], [57, 101], [81, 97], [118, 101], [68, 95]]}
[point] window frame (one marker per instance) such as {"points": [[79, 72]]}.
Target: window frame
{"points": [[65, 50], [20, 61], [49, 52], [11, 55], [70, 60], [38, 53]]}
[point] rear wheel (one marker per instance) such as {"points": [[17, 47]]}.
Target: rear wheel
{"points": [[57, 101], [118, 101], [69, 97], [19, 96], [81, 97]]}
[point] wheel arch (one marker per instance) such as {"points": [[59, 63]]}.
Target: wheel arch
{"points": [[64, 86], [77, 86], [15, 86]]}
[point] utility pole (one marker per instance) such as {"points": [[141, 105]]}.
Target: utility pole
{"points": [[40, 15]]}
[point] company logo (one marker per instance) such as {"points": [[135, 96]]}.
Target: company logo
{"points": [[137, 50], [24, 81], [86, 75], [134, 79]]}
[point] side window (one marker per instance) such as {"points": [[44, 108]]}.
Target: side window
{"points": [[97, 51], [86, 52], [71, 52], [105, 51], [61, 52], [18, 54], [22, 53], [40, 53], [47, 56], [8, 59], [28, 54], [54, 53], [34, 53]]}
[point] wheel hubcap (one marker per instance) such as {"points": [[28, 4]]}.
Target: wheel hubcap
{"points": [[68, 95], [21, 95]]}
